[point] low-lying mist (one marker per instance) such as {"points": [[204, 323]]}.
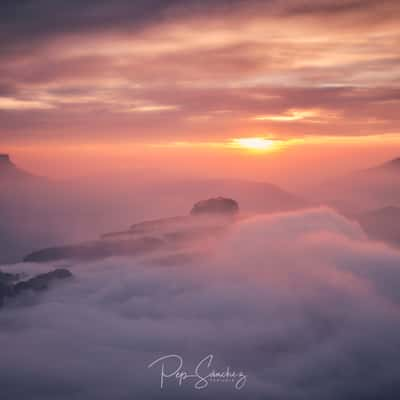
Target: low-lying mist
{"points": [[37, 213], [301, 302]]}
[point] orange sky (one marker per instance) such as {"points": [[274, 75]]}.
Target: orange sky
{"points": [[294, 164], [125, 82]]}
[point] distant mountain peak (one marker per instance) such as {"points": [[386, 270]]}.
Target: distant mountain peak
{"points": [[6, 165], [5, 158], [395, 163], [8, 170], [391, 166]]}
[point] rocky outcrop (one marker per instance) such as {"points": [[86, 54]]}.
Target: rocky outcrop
{"points": [[207, 218], [6, 285], [216, 206], [381, 224], [42, 281], [4, 158], [7, 278], [96, 250], [9, 171], [11, 286], [150, 227]]}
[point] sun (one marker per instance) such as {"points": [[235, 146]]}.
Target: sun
{"points": [[254, 143]]}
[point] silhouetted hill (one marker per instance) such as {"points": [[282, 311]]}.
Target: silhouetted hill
{"points": [[363, 190], [12, 285], [382, 224], [253, 197], [178, 233], [10, 173], [37, 213], [389, 166]]}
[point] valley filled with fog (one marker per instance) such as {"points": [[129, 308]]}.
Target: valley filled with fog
{"points": [[298, 292]]}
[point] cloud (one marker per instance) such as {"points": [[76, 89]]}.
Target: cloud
{"points": [[89, 60], [33, 21], [151, 108], [301, 302], [314, 116], [8, 103]]}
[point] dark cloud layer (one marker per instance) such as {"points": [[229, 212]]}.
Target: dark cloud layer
{"points": [[28, 19]]}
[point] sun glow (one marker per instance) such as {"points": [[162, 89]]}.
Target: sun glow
{"points": [[255, 143], [313, 115]]}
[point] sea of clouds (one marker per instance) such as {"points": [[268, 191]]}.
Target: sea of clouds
{"points": [[301, 302]]}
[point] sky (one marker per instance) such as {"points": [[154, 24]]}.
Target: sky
{"points": [[188, 80]]}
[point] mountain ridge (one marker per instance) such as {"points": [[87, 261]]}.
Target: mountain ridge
{"points": [[10, 172]]}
